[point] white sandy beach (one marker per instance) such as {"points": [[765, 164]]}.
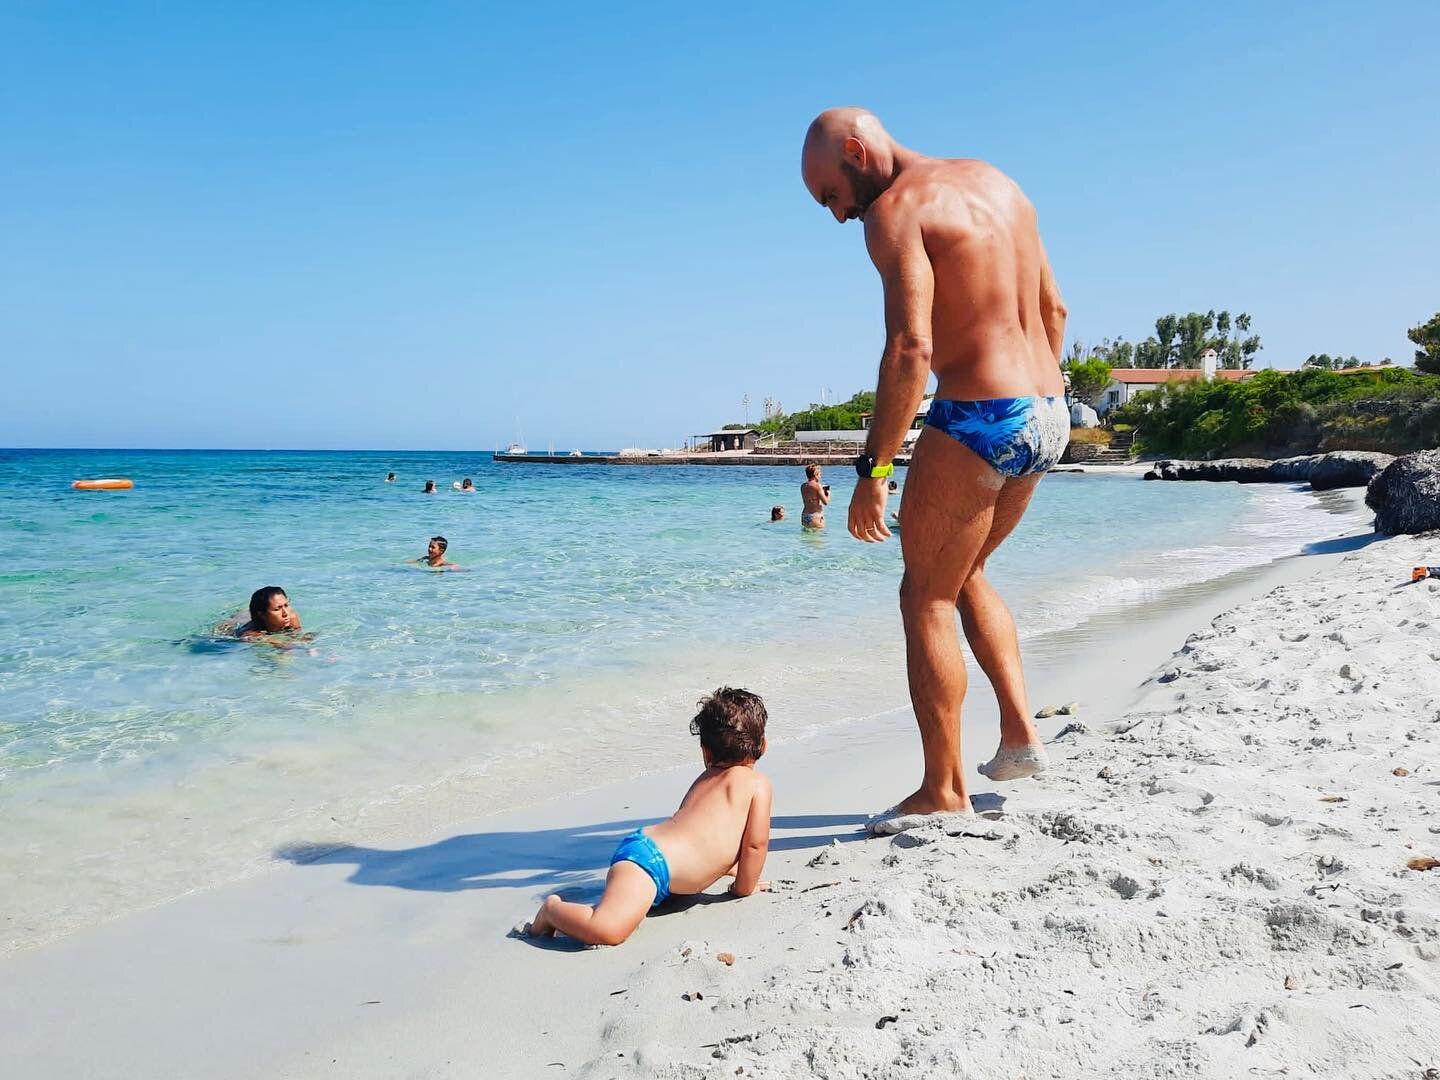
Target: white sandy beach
{"points": [[1211, 881]]}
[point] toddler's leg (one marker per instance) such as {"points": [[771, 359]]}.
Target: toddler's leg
{"points": [[629, 891]]}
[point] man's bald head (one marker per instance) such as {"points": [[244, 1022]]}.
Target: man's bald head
{"points": [[848, 161]]}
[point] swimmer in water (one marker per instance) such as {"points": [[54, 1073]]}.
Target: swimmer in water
{"points": [[429, 488], [777, 513], [435, 555], [467, 486], [270, 613], [390, 478]]}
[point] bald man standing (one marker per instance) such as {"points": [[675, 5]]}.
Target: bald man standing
{"points": [[968, 295]]}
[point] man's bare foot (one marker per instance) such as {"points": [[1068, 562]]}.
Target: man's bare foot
{"points": [[541, 926], [1016, 763], [920, 809]]}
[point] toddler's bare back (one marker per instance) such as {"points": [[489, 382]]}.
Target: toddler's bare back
{"points": [[701, 841]]}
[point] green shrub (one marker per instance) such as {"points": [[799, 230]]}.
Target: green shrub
{"points": [[1388, 408]]}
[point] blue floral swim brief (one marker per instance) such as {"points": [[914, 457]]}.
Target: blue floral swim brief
{"points": [[1015, 436]]}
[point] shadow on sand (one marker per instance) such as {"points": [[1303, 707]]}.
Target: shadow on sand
{"points": [[1340, 544], [571, 861]]}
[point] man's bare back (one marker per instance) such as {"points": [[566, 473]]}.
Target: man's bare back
{"points": [[979, 233]]}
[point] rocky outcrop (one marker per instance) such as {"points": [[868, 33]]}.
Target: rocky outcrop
{"points": [[1346, 468], [1342, 468], [1406, 495], [1240, 470]]}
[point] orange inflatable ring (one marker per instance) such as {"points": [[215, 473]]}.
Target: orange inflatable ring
{"points": [[120, 484]]}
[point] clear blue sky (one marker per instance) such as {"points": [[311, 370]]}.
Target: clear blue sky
{"points": [[421, 225]]}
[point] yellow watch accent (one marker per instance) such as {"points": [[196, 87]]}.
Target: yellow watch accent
{"points": [[880, 472]]}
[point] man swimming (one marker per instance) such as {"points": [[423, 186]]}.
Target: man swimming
{"points": [[815, 497], [969, 295]]}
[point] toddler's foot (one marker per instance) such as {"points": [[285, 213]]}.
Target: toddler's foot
{"points": [[541, 926]]}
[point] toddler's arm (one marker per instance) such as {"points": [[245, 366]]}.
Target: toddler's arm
{"points": [[755, 843]]}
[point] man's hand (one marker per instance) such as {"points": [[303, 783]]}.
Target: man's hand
{"points": [[867, 510]]}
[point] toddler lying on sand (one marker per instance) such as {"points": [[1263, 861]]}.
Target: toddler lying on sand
{"points": [[722, 827]]}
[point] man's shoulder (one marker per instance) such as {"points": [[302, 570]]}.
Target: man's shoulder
{"points": [[926, 193]]}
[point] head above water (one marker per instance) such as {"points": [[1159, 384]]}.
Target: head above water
{"points": [[777, 513], [389, 477], [429, 487], [436, 548], [270, 609], [731, 726], [848, 161], [467, 483]]}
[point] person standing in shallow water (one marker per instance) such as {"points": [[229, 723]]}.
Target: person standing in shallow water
{"points": [[969, 296], [814, 497]]}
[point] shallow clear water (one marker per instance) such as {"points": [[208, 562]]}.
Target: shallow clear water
{"points": [[594, 606]]}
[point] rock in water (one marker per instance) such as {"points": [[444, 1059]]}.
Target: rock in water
{"points": [[1406, 494]]}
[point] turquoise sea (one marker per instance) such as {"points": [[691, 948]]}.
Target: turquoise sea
{"points": [[149, 756]]}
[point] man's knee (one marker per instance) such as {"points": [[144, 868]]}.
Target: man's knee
{"points": [[917, 597]]}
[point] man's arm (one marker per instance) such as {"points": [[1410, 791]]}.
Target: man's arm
{"points": [[1052, 307], [897, 248], [755, 843]]}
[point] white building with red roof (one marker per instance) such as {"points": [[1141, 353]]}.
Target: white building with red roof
{"points": [[1125, 383]]}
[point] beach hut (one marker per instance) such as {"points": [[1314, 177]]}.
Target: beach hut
{"points": [[731, 439]]}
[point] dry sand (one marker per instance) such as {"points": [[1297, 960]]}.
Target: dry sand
{"points": [[1216, 883], [1211, 881]]}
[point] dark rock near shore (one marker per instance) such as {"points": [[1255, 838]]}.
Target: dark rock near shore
{"points": [[1341, 468], [1346, 468], [1241, 470], [1406, 495]]}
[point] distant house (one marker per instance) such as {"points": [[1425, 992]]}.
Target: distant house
{"points": [[731, 439], [1125, 383]]}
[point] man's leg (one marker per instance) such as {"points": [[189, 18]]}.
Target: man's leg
{"points": [[948, 510], [990, 630]]}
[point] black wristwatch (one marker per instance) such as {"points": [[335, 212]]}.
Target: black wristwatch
{"points": [[866, 469]]}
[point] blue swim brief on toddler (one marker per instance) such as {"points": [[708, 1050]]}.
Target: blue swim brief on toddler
{"points": [[641, 850]]}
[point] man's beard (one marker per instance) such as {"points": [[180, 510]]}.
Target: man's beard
{"points": [[866, 188]]}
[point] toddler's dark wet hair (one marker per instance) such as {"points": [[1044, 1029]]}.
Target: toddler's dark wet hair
{"points": [[731, 725]]}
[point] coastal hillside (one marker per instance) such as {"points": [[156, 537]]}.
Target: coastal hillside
{"points": [[1393, 410]]}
